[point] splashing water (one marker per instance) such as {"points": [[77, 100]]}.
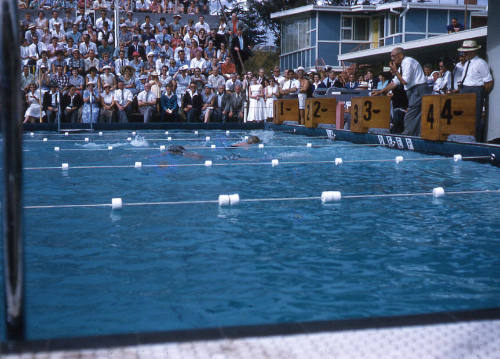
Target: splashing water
{"points": [[139, 141]]}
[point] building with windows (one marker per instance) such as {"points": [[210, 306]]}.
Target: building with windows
{"points": [[315, 35]]}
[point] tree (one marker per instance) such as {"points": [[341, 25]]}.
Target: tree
{"points": [[253, 24], [264, 8]]}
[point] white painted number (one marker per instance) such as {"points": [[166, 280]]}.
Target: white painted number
{"points": [[390, 141], [400, 143], [409, 144]]}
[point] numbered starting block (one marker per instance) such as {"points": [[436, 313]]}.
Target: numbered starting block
{"points": [[285, 110], [320, 110], [446, 115], [370, 112]]}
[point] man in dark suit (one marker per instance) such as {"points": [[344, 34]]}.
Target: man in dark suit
{"points": [[50, 102], [71, 104], [192, 103], [136, 47], [234, 107], [219, 104], [352, 84], [240, 49]]}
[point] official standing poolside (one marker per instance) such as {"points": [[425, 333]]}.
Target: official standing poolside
{"points": [[477, 80], [408, 72]]}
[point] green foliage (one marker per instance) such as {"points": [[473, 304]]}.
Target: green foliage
{"points": [[252, 21], [262, 59], [264, 8]]}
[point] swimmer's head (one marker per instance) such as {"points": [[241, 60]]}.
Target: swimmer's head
{"points": [[176, 149], [253, 139]]}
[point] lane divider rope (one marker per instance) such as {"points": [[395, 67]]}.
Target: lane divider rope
{"points": [[117, 203]]}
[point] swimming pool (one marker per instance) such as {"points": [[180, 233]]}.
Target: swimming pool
{"points": [[91, 270]]}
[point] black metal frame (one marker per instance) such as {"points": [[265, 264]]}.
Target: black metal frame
{"points": [[11, 123]]}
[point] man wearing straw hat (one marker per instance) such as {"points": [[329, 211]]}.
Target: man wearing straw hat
{"points": [[477, 79]]}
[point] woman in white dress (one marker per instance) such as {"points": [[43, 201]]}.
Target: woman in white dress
{"points": [[257, 106], [271, 94], [33, 98]]}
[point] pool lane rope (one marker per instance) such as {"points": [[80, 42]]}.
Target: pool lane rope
{"points": [[274, 163], [223, 147], [234, 199]]}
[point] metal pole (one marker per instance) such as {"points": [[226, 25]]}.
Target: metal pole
{"points": [[117, 24], [11, 122], [493, 41]]}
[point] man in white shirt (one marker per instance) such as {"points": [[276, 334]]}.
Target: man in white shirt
{"points": [[190, 36], [91, 61], [142, 5], [120, 63], [86, 46], [198, 62], [232, 82], [123, 102], [410, 74], [99, 23], [280, 80], [215, 79], [57, 32], [55, 19], [146, 101], [477, 79], [458, 71], [291, 86], [202, 25], [35, 49]]}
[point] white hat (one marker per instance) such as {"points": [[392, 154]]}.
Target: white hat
{"points": [[469, 45], [154, 73], [184, 67], [151, 53], [106, 67], [300, 68]]}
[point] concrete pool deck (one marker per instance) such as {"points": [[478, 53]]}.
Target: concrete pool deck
{"points": [[458, 337]]}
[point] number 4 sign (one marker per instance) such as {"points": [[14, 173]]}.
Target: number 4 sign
{"points": [[448, 114]]}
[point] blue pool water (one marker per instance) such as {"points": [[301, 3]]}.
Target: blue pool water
{"points": [[149, 268]]}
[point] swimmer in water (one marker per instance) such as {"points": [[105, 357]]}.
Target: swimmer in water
{"points": [[251, 141], [180, 150]]}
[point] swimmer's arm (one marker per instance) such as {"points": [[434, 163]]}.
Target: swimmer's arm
{"points": [[240, 144]]}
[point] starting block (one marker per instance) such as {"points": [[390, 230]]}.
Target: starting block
{"points": [[444, 115], [285, 110], [320, 110], [370, 112]]}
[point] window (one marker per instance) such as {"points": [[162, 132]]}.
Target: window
{"points": [[295, 35], [355, 28], [394, 25]]}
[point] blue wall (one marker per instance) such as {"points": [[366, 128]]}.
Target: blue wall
{"points": [[411, 37], [438, 21], [329, 52], [415, 20], [329, 26]]}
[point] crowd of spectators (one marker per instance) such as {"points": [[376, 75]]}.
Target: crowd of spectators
{"points": [[73, 72], [151, 6]]}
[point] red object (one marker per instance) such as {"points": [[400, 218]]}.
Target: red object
{"points": [[339, 123], [135, 53]]}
